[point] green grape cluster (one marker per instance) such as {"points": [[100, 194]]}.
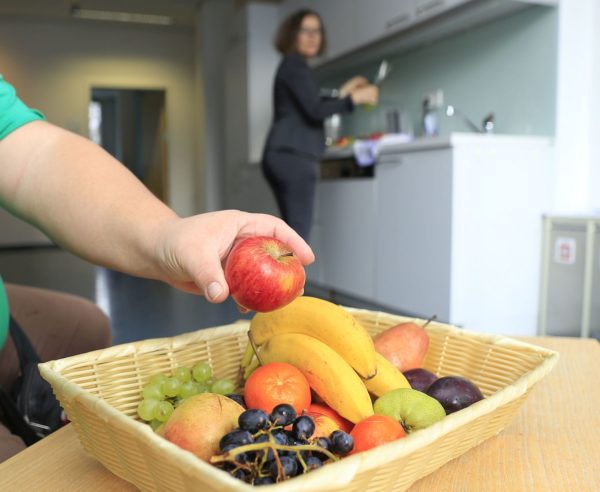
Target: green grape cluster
{"points": [[163, 393]]}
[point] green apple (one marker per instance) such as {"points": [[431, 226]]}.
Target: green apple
{"points": [[413, 409]]}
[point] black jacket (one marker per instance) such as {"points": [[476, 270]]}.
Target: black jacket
{"points": [[299, 109]]}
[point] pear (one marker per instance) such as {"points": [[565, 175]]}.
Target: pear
{"points": [[404, 345], [413, 409]]}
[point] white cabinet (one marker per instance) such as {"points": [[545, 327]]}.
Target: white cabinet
{"points": [[413, 238], [371, 29], [345, 249], [450, 227], [426, 9], [379, 18]]}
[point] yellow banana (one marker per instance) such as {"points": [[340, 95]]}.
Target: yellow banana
{"points": [[328, 374], [388, 378], [325, 321]]}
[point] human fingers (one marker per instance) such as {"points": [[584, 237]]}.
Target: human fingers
{"points": [[267, 225]]}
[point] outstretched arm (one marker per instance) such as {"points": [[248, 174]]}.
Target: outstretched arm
{"points": [[92, 205]]}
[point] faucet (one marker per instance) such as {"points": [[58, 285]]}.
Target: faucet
{"points": [[487, 124]]}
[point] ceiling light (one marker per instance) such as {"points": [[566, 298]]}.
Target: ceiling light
{"points": [[113, 16]]}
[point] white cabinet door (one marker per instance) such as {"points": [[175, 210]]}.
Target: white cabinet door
{"points": [[376, 19], [414, 213], [347, 235], [427, 9]]}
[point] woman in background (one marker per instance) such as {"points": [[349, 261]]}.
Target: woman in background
{"points": [[296, 141]]}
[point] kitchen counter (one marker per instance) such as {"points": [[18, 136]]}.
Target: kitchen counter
{"points": [[452, 140], [552, 444], [448, 226]]}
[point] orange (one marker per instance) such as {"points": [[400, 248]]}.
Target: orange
{"points": [[276, 383], [375, 431]]}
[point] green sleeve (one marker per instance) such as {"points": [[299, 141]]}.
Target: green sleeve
{"points": [[3, 314], [13, 112]]}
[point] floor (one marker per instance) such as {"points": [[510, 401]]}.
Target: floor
{"points": [[138, 308]]}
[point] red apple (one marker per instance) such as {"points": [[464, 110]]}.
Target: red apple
{"points": [[322, 409], [263, 274], [324, 425]]}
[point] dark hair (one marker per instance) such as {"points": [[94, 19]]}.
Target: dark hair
{"points": [[287, 34]]}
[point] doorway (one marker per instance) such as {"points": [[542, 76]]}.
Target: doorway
{"points": [[130, 124]]}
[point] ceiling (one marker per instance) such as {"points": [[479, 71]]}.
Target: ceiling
{"points": [[181, 11]]}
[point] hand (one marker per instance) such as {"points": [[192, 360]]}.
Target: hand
{"points": [[190, 251], [352, 84], [368, 94]]}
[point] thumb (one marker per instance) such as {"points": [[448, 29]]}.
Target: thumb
{"points": [[210, 279]]}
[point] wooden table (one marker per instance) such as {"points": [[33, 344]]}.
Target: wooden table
{"points": [[552, 445]]}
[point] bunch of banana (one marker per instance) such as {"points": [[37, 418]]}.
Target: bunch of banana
{"points": [[331, 348], [328, 374], [388, 377], [324, 321]]}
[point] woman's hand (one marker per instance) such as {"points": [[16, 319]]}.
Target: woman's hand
{"points": [[191, 250], [352, 84], [368, 94]]}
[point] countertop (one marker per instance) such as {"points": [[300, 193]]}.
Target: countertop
{"points": [[552, 445], [452, 140]]}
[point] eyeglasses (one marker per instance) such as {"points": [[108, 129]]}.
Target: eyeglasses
{"points": [[310, 31]]}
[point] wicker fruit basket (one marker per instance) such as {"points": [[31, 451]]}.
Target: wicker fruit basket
{"points": [[100, 392]]}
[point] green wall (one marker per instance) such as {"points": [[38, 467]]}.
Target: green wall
{"points": [[507, 66]]}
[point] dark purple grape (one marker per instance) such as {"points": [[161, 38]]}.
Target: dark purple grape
{"points": [[262, 438], [303, 427], [280, 437], [237, 437], [419, 378], [454, 393], [241, 474], [283, 414], [288, 464], [341, 443], [241, 458], [268, 451], [237, 398], [324, 443], [253, 420], [227, 466], [312, 462], [263, 481]]}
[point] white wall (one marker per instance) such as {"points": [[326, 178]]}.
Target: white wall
{"points": [[578, 107], [54, 64]]}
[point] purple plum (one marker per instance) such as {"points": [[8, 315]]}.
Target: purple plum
{"points": [[454, 393], [419, 379]]}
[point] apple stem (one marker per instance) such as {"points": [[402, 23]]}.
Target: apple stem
{"points": [[433, 318], [251, 340], [291, 253]]}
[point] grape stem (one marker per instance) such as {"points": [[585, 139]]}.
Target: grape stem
{"points": [[264, 445]]}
